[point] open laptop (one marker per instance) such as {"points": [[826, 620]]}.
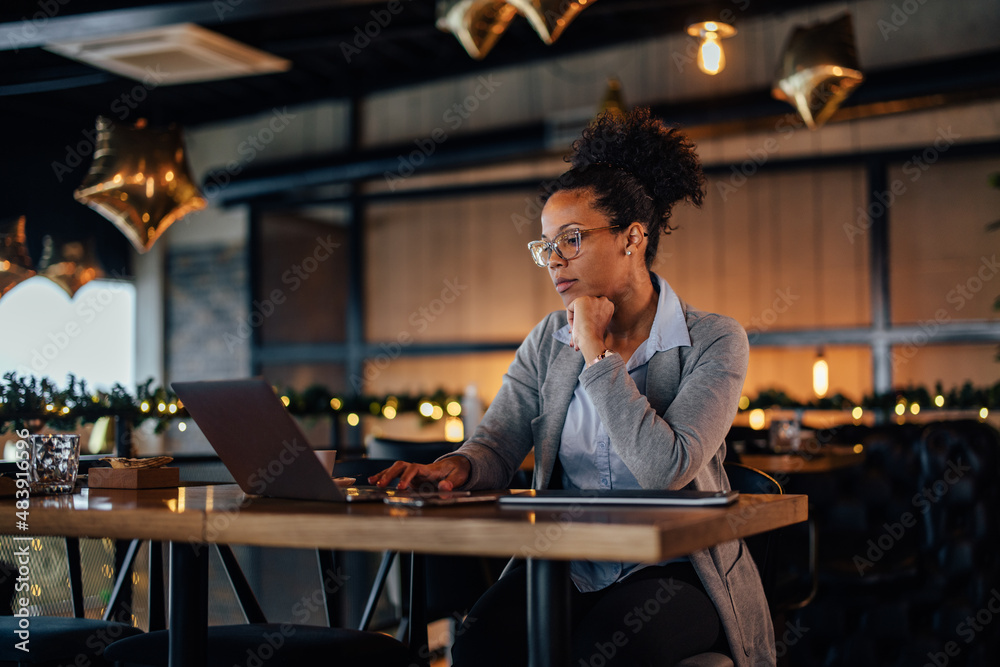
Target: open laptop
{"points": [[621, 497], [260, 443]]}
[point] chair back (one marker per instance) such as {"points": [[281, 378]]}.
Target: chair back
{"points": [[413, 451], [746, 479], [360, 468]]}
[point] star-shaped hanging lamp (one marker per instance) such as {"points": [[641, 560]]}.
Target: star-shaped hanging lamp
{"points": [[139, 180]]}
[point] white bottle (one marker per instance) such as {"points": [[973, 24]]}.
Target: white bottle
{"points": [[472, 410]]}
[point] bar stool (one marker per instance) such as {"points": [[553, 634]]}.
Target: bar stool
{"points": [[274, 644], [59, 640]]}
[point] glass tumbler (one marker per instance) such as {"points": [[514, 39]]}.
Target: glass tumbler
{"points": [[53, 463]]}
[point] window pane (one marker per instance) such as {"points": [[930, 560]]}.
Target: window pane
{"points": [[777, 252], [303, 277], [454, 270], [942, 257], [790, 370], [92, 336], [951, 365]]}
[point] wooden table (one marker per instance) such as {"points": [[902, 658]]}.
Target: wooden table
{"points": [[826, 460], [192, 516]]}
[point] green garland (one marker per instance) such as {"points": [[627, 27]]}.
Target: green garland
{"points": [[33, 402], [966, 397]]}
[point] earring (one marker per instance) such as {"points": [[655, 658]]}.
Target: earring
{"points": [[628, 252]]}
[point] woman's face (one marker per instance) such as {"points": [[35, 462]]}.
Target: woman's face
{"points": [[601, 268]]}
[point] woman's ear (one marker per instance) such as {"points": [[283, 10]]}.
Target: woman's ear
{"points": [[635, 234]]}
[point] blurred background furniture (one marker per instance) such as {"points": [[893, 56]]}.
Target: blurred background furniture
{"points": [[55, 640], [906, 549]]}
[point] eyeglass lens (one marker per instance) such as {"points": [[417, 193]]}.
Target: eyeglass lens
{"points": [[566, 245]]}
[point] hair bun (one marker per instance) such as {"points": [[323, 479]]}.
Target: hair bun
{"points": [[659, 157]]}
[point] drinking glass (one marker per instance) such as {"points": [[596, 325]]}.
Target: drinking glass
{"points": [[53, 462]]}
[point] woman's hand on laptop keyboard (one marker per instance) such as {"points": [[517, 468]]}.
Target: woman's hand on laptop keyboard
{"points": [[447, 474]]}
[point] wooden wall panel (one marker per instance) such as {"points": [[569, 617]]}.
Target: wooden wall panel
{"points": [[772, 252], [944, 262], [425, 375], [463, 250]]}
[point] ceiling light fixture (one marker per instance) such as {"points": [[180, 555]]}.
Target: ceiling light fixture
{"points": [[819, 69], [182, 53], [821, 375], [140, 180], [711, 57]]}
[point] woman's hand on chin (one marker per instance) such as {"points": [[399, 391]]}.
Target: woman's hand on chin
{"points": [[589, 318]]}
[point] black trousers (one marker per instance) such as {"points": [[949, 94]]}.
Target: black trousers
{"points": [[657, 617]]}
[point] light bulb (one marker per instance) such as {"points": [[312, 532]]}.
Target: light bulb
{"points": [[711, 57], [821, 377]]}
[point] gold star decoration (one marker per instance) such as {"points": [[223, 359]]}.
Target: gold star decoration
{"points": [[71, 266], [15, 263], [819, 69], [549, 18], [139, 180], [477, 24]]}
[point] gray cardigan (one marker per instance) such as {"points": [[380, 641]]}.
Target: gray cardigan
{"points": [[671, 438]]}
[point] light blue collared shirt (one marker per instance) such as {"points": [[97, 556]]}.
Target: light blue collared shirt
{"points": [[585, 453]]}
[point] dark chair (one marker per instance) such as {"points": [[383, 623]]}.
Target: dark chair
{"points": [[273, 644], [277, 645], [416, 451], [62, 640], [745, 479]]}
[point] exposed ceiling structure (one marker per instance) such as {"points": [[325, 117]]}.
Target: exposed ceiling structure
{"points": [[334, 50], [324, 41]]}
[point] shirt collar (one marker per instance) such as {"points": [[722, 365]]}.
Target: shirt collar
{"points": [[669, 328]]}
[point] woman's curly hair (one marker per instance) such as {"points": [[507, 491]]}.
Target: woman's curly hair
{"points": [[637, 168]]}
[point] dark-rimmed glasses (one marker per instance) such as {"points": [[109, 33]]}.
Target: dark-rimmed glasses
{"points": [[566, 245]]}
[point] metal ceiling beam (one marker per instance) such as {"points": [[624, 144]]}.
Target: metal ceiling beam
{"points": [[41, 28], [522, 140]]}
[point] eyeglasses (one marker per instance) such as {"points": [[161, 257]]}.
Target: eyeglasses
{"points": [[566, 245]]}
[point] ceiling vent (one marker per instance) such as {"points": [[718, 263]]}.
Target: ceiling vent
{"points": [[183, 53]]}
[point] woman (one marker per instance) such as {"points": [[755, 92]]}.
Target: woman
{"points": [[627, 388]]}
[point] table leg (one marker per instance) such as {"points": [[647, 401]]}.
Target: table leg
{"points": [[188, 604], [549, 633], [417, 627]]}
